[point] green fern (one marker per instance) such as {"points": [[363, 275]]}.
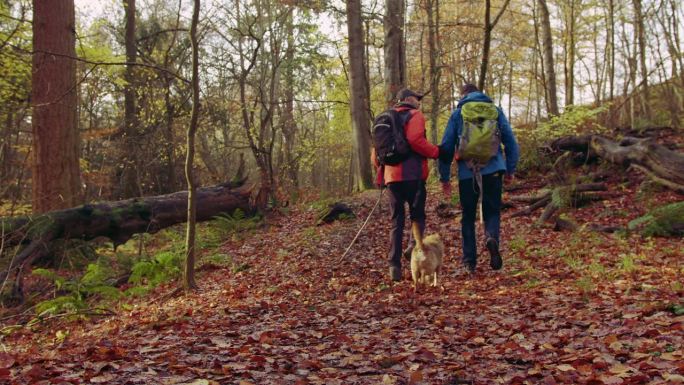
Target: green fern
{"points": [[64, 304], [165, 266]]}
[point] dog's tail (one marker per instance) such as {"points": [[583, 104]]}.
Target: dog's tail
{"points": [[417, 235]]}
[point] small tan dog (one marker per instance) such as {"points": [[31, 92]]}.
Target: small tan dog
{"points": [[426, 257]]}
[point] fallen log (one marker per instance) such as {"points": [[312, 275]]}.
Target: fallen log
{"points": [[658, 162], [117, 221], [570, 195]]}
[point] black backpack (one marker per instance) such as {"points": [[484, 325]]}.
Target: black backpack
{"points": [[391, 146]]}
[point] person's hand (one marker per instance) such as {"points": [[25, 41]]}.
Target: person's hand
{"points": [[509, 178], [446, 190]]}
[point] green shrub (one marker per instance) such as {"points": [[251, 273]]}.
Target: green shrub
{"points": [[94, 282], [663, 221], [575, 120], [163, 267]]}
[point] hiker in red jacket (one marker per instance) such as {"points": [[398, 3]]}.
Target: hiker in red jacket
{"points": [[406, 180]]}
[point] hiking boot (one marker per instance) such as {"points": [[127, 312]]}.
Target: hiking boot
{"points": [[469, 268], [395, 273], [495, 260], [407, 253]]}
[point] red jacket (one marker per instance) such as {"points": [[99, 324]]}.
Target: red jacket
{"points": [[415, 167]]}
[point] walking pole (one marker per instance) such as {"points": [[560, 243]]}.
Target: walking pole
{"points": [[382, 190]]}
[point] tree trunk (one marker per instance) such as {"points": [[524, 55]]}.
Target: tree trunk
{"points": [[611, 49], [548, 59], [129, 155], [56, 176], [189, 273], [487, 40], [395, 50], [486, 43], [641, 38], [432, 10], [359, 96], [169, 111], [570, 54], [289, 124]]}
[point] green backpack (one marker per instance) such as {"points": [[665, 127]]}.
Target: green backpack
{"points": [[480, 138]]}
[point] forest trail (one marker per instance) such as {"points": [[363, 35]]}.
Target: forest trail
{"points": [[568, 308]]}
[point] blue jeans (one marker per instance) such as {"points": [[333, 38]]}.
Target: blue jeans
{"points": [[411, 192], [492, 184]]}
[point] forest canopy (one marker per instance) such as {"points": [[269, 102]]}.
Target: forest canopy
{"points": [[274, 81]]}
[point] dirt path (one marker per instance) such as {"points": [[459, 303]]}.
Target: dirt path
{"points": [[568, 308]]}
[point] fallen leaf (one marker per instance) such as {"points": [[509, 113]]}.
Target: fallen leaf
{"points": [[415, 377], [620, 369], [611, 380], [106, 378], [6, 361]]}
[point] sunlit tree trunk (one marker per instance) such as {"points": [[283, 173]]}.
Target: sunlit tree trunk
{"points": [[395, 49], [552, 95], [569, 63], [359, 97], [432, 11], [641, 38], [189, 273], [56, 176]]}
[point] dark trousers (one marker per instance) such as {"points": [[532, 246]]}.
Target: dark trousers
{"points": [[468, 190], [413, 193]]}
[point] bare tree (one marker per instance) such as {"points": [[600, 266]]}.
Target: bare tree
{"points": [[358, 85], [641, 38], [571, 16], [434, 48], [395, 49], [488, 27], [289, 126], [56, 175], [128, 179], [189, 273], [552, 95]]}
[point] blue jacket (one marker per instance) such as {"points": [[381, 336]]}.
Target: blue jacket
{"points": [[453, 133]]}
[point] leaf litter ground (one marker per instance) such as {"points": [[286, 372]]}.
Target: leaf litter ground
{"points": [[568, 308]]}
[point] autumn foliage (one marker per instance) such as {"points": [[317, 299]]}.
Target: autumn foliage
{"points": [[568, 308]]}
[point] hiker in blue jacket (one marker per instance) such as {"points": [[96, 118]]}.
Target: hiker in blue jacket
{"points": [[491, 180]]}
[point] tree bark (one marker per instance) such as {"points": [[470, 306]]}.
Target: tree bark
{"points": [[128, 178], [641, 38], [570, 54], [487, 40], [395, 50], [611, 49], [56, 145], [359, 96], [552, 94], [434, 47], [289, 125], [189, 273]]}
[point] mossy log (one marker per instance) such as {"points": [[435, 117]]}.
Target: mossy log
{"points": [[117, 221], [657, 161], [334, 212], [664, 221], [552, 200]]}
